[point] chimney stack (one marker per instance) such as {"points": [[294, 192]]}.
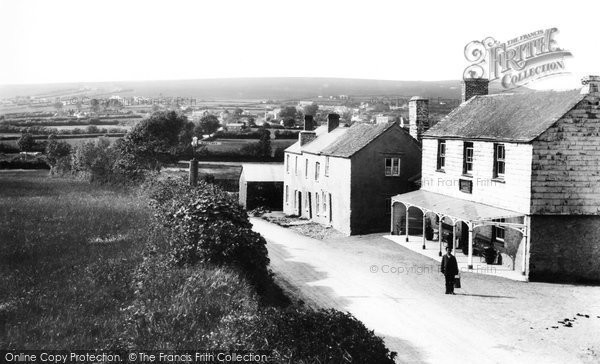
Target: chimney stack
{"points": [[333, 121], [309, 122], [418, 116], [474, 87], [591, 85]]}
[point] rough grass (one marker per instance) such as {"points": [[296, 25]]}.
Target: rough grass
{"points": [[67, 254]]}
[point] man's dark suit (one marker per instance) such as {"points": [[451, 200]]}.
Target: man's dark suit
{"points": [[450, 270]]}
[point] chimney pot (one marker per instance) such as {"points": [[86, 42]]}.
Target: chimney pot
{"points": [[474, 87], [333, 121], [591, 85]]}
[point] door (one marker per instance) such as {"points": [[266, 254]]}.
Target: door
{"points": [[299, 203], [309, 205]]}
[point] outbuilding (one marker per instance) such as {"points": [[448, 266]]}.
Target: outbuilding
{"points": [[261, 185]]}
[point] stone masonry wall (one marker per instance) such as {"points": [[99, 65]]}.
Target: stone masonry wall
{"points": [[566, 163], [565, 249]]}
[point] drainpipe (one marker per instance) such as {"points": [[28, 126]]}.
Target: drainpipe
{"points": [[440, 234], [424, 215], [406, 223], [526, 233], [470, 261]]}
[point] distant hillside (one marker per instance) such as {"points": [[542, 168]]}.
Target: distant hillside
{"points": [[242, 88]]}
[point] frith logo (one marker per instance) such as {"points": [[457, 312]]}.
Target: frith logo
{"points": [[518, 61]]}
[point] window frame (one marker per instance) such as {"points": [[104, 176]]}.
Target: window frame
{"points": [[389, 171], [466, 147], [317, 170], [499, 160], [306, 168], [441, 155]]}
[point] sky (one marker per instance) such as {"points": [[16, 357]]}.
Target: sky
{"points": [[47, 41]]}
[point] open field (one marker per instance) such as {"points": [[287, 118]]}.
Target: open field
{"points": [[67, 253]]}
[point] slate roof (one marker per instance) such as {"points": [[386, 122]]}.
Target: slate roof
{"points": [[343, 141], [255, 172], [506, 117]]}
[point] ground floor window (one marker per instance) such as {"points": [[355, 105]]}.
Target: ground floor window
{"points": [[317, 202], [287, 194], [498, 232]]}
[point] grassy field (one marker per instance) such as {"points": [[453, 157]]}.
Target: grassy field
{"points": [[67, 253]]}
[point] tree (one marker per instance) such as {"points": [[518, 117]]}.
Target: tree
{"points": [[57, 152], [264, 143], [289, 123], [26, 142], [58, 106], [311, 109], [208, 125], [95, 105], [157, 140], [288, 112]]}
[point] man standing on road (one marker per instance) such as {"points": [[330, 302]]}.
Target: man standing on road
{"points": [[449, 269]]}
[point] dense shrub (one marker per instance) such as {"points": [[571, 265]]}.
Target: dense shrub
{"points": [[209, 226], [23, 161], [58, 154], [7, 148], [286, 134], [300, 335], [244, 134], [26, 142]]}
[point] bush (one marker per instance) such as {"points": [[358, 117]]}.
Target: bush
{"points": [[209, 226], [26, 143], [58, 154], [21, 161], [286, 134], [297, 335], [238, 134]]}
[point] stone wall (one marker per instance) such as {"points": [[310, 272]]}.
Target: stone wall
{"points": [[565, 249], [566, 163]]}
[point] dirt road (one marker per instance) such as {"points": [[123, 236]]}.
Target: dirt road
{"points": [[400, 294]]}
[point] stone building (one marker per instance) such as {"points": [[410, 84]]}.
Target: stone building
{"points": [[344, 177], [519, 172]]}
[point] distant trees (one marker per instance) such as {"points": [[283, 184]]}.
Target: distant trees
{"points": [[311, 109], [208, 124], [58, 154], [288, 112], [26, 142], [95, 105], [157, 140], [58, 106]]}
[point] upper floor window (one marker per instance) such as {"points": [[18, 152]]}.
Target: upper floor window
{"points": [[468, 158], [287, 163], [306, 168], [392, 167], [326, 166], [317, 170], [499, 165], [296, 166], [441, 154]]}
